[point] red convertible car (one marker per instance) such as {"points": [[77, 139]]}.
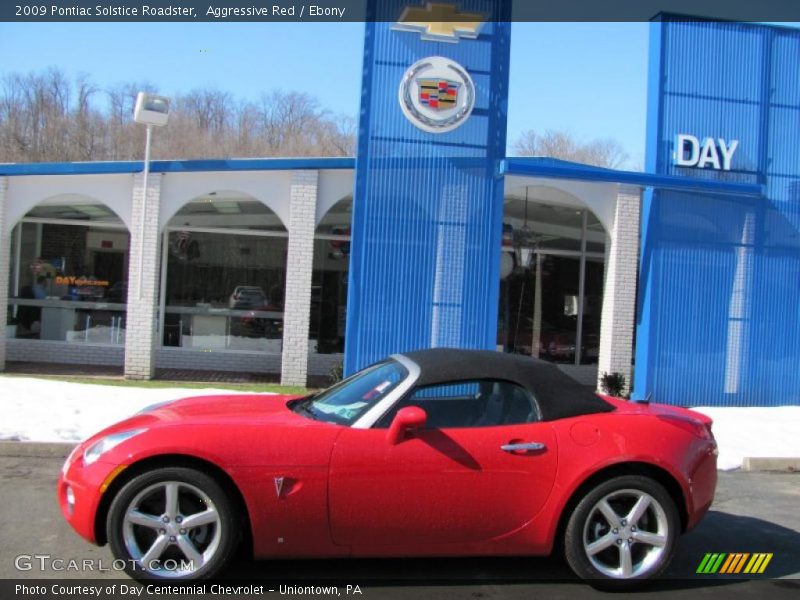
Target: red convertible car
{"points": [[430, 453]]}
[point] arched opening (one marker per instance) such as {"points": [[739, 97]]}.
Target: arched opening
{"points": [[552, 276], [223, 275], [329, 279], [69, 273]]}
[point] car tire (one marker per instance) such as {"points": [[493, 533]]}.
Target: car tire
{"points": [[171, 524], [622, 533]]}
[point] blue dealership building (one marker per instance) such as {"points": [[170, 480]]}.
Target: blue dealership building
{"points": [[685, 278]]}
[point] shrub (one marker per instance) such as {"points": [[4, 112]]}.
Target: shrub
{"points": [[613, 384], [336, 374]]}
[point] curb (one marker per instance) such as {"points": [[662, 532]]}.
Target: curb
{"points": [[789, 465], [36, 449]]}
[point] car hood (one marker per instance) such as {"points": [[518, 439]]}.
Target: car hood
{"points": [[218, 411], [227, 430], [249, 407]]}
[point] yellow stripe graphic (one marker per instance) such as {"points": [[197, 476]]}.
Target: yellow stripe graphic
{"points": [[755, 565], [765, 563], [749, 566]]}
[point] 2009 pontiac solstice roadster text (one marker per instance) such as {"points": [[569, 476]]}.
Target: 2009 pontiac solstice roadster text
{"points": [[146, 10], [121, 10]]}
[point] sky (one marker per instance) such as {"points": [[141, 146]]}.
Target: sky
{"points": [[586, 78]]}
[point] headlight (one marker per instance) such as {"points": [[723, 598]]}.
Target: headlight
{"points": [[103, 445]]}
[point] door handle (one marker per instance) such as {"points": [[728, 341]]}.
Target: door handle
{"points": [[523, 447]]}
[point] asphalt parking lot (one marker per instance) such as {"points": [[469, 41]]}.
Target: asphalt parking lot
{"points": [[753, 512]]}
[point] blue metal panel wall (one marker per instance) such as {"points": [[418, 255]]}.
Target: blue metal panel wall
{"points": [[427, 213], [719, 301]]}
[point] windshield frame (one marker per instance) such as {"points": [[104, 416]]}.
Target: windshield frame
{"points": [[369, 418]]}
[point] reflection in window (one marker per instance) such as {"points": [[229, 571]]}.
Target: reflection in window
{"points": [[225, 260], [329, 280], [69, 281], [551, 254], [329, 295], [224, 291]]}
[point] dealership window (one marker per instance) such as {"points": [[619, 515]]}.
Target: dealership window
{"points": [[69, 274], [224, 275], [551, 287], [329, 280]]}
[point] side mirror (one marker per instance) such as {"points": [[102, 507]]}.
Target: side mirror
{"points": [[410, 417]]}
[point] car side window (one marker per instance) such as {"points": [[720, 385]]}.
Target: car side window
{"points": [[484, 403]]}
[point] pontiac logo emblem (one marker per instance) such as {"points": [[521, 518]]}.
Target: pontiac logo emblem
{"points": [[439, 22], [436, 94]]}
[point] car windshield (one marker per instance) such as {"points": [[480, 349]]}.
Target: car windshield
{"points": [[346, 401]]}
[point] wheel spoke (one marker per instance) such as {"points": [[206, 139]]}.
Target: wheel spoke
{"points": [[171, 504], [206, 517], [625, 559], [638, 509], [145, 520], [600, 544], [154, 552], [192, 553], [608, 512], [652, 539]]}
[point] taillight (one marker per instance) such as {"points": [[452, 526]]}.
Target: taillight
{"points": [[693, 426]]}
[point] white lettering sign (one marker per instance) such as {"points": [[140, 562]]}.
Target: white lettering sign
{"points": [[710, 153]]}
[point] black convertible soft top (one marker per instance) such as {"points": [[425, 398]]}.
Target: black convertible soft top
{"points": [[559, 396]]}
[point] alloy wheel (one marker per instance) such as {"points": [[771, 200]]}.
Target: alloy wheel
{"points": [[625, 534], [172, 529]]}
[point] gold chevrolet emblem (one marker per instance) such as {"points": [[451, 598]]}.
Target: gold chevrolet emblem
{"points": [[440, 22]]}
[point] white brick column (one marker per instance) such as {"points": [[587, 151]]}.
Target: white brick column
{"points": [[5, 251], [299, 265], [140, 331], [619, 296]]}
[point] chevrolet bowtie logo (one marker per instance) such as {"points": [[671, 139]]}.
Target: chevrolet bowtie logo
{"points": [[439, 22]]}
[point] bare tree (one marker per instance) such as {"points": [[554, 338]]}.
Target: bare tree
{"points": [[563, 145], [45, 117]]}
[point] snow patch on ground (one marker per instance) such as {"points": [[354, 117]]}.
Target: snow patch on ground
{"points": [[44, 410], [772, 432]]}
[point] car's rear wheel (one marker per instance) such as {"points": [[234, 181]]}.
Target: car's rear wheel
{"points": [[622, 532], [173, 523]]}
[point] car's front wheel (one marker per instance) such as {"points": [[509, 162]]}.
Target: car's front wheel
{"points": [[172, 523], [623, 531]]}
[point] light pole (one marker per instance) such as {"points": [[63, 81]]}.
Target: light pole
{"points": [[150, 110]]}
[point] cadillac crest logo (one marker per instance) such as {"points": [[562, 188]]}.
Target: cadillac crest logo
{"points": [[436, 94], [440, 94]]}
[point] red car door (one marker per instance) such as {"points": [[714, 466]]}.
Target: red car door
{"points": [[438, 485]]}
